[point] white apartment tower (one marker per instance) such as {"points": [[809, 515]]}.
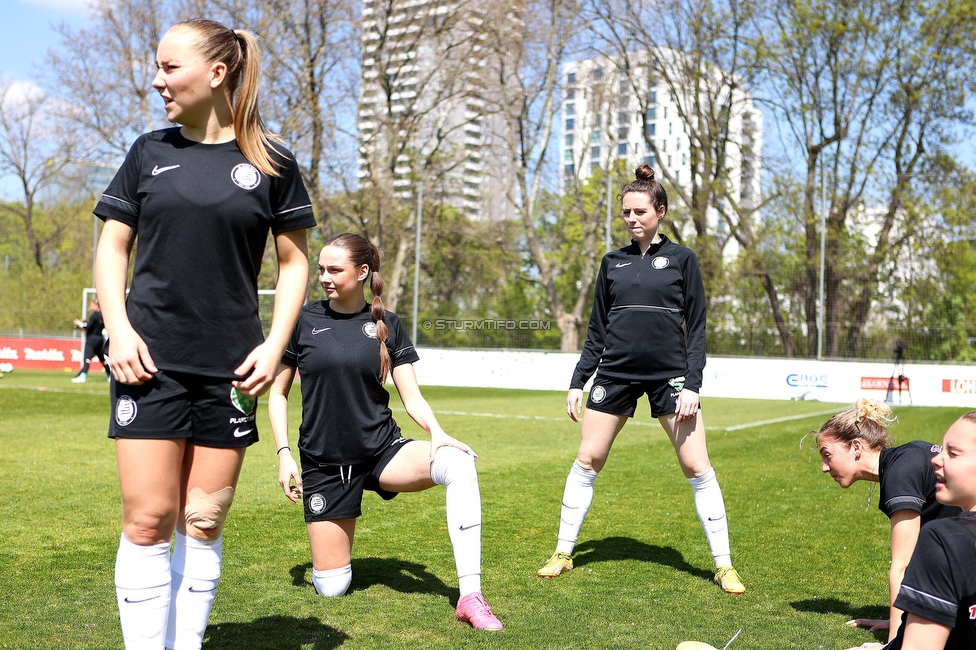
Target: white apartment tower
{"points": [[601, 124], [421, 99]]}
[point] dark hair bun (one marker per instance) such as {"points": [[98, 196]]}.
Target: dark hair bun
{"points": [[644, 173]]}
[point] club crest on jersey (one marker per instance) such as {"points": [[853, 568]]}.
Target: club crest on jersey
{"points": [[369, 329], [936, 449], [125, 411], [316, 504], [243, 403], [245, 176], [598, 395], [660, 262]]}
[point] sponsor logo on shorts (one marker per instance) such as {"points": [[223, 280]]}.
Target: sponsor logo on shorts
{"points": [[316, 504], [243, 403], [598, 395], [678, 383], [660, 262], [369, 329], [125, 411], [245, 176], [240, 434]]}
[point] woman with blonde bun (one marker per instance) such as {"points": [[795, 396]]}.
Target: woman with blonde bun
{"points": [[855, 445]]}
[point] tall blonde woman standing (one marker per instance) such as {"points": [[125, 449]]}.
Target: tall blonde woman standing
{"points": [[188, 355]]}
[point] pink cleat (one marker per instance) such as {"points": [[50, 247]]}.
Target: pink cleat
{"points": [[474, 610]]}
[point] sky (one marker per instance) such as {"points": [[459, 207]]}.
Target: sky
{"points": [[27, 32]]}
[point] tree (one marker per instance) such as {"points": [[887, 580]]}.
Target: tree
{"points": [[38, 151], [529, 43], [865, 91]]}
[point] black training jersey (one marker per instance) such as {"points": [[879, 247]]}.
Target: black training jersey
{"points": [[940, 581], [95, 325], [346, 417], [202, 213], [648, 318], [908, 481]]}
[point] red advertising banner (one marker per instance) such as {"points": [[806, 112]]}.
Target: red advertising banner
{"points": [[959, 386], [44, 354], [883, 383]]}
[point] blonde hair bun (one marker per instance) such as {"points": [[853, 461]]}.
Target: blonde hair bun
{"points": [[873, 410]]}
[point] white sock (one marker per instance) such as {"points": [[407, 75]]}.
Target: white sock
{"points": [[196, 572], [577, 498], [711, 512], [332, 582], [142, 588], [455, 470]]}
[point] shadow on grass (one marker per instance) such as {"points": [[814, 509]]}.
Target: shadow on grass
{"points": [[627, 548], [274, 633], [845, 609], [398, 575]]}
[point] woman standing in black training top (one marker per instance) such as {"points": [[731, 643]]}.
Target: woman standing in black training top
{"points": [[854, 445], [646, 337], [187, 349], [348, 442]]}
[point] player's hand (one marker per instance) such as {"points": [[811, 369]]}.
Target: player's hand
{"points": [[131, 362], [289, 477], [687, 406], [574, 403], [261, 364], [438, 439], [872, 624]]}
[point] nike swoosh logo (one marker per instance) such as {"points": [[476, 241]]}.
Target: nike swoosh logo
{"points": [[319, 331], [716, 518], [469, 527], [159, 170], [240, 434], [619, 264], [144, 600], [201, 591]]}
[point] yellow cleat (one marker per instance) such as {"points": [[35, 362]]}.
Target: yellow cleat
{"points": [[559, 562], [728, 579]]}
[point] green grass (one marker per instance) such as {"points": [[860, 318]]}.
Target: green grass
{"points": [[811, 555]]}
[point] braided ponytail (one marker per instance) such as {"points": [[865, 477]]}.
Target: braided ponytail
{"points": [[361, 252]]}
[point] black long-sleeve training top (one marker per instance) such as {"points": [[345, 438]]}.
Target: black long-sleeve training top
{"points": [[648, 318]]}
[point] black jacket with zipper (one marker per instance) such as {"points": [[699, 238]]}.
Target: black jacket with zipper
{"points": [[648, 318]]}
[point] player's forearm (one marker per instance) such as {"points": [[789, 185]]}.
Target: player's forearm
{"points": [[111, 274]]}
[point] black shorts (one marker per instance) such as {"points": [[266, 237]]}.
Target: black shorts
{"points": [[620, 398], [207, 411], [336, 491]]}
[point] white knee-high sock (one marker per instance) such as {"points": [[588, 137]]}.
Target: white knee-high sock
{"points": [[142, 588], [711, 512], [332, 582], [196, 572], [455, 470], [577, 498]]}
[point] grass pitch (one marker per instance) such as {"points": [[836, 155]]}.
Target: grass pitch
{"points": [[812, 555]]}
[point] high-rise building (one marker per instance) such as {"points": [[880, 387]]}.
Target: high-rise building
{"points": [[602, 123], [421, 99]]}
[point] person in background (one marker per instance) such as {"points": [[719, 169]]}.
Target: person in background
{"points": [[94, 342]]}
